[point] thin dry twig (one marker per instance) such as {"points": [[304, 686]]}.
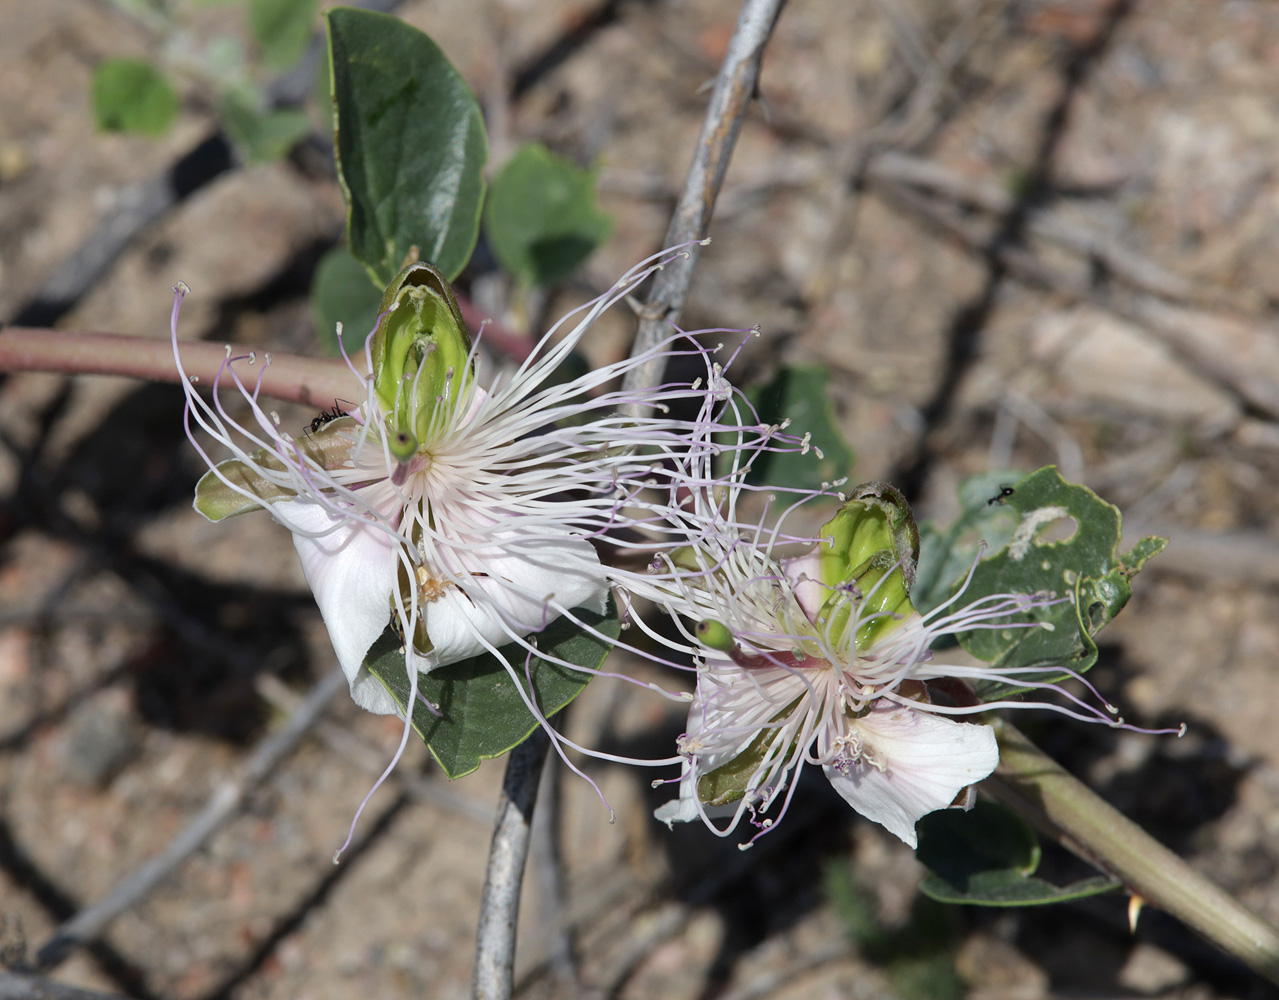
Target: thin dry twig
{"points": [[291, 377], [19, 987], [732, 94], [222, 806], [494, 975]]}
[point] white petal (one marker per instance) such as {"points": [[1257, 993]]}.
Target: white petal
{"points": [[516, 585], [351, 572], [805, 575], [915, 763]]}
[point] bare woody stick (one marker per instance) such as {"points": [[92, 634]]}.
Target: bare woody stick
{"points": [[494, 974], [734, 88]]}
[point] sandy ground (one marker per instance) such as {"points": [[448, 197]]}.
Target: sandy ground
{"points": [[1013, 233]]}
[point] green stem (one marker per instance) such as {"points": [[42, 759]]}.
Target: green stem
{"points": [[1066, 809], [312, 381]]}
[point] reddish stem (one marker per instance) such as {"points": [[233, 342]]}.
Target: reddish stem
{"points": [[292, 377]]}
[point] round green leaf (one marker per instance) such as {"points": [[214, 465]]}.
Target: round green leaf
{"points": [[541, 218], [131, 95], [261, 135], [483, 713], [410, 145], [342, 292]]}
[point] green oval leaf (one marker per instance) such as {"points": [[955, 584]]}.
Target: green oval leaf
{"points": [[541, 219], [987, 856], [483, 713], [341, 292], [131, 95], [410, 145]]}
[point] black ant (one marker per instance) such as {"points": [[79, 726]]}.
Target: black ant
{"points": [[1004, 493], [327, 415]]}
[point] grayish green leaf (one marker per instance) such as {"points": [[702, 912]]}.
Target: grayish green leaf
{"points": [[260, 135], [282, 29], [799, 393]]}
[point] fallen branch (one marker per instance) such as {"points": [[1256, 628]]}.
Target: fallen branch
{"points": [[222, 806]]}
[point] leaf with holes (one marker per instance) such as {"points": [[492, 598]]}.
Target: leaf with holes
{"points": [[483, 710], [985, 525], [1065, 543]]}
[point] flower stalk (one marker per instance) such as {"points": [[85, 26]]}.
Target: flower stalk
{"points": [[1064, 808]]}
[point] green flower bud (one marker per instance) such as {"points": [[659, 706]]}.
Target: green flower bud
{"points": [[872, 544], [715, 635], [419, 354]]}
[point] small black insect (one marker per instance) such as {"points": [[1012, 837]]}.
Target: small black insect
{"points": [[327, 415], [1004, 493]]}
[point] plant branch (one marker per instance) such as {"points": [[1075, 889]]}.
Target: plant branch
{"points": [[734, 88], [500, 902], [291, 377], [1067, 810]]}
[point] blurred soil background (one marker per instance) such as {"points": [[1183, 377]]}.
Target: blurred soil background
{"points": [[1013, 233]]}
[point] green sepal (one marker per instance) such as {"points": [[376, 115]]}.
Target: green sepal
{"points": [[871, 544], [729, 782], [329, 447], [419, 348]]}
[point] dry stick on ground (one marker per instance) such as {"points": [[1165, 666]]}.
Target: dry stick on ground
{"points": [[734, 88], [1171, 326], [19, 987], [217, 812]]}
